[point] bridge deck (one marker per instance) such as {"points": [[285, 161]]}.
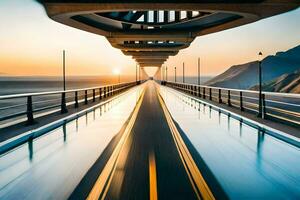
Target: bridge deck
{"points": [[150, 135], [50, 166], [152, 155], [247, 162]]}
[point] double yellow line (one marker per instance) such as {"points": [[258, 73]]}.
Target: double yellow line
{"points": [[103, 182], [152, 176], [100, 188], [199, 185]]}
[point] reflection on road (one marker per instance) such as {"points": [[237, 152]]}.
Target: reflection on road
{"points": [[52, 165], [248, 163]]}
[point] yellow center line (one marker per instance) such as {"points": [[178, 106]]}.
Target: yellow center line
{"points": [[152, 176], [197, 180], [101, 186]]}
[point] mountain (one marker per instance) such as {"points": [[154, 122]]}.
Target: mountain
{"points": [[288, 83], [245, 76]]}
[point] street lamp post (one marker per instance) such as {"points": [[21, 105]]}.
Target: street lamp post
{"points": [[166, 73], [136, 72], [198, 71], [64, 70], [183, 73], [175, 74], [63, 96], [139, 73], [260, 85]]}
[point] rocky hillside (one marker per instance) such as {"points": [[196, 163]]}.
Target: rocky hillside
{"points": [[245, 76], [289, 83]]}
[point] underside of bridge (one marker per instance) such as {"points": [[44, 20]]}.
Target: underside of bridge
{"points": [[149, 31]]}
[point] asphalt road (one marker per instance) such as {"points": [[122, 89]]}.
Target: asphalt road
{"points": [[150, 143]]}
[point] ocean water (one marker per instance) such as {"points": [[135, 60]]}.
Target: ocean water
{"points": [[18, 85]]}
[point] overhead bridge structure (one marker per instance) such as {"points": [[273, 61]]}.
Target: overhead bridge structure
{"points": [[150, 31]]}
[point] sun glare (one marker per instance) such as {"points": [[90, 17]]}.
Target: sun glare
{"points": [[116, 71]]}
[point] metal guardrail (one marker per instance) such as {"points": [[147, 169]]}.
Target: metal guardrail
{"points": [[283, 107], [27, 104]]}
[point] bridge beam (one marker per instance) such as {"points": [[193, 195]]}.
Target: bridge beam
{"points": [[128, 27]]}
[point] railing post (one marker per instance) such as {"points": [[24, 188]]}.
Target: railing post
{"points": [[30, 119], [100, 92], [229, 100], [241, 101], [260, 115], [199, 91], [94, 95], [220, 96], [63, 103], [85, 97], [203, 92], [76, 99], [194, 90], [210, 94], [263, 98]]}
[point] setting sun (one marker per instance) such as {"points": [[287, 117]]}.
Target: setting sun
{"points": [[116, 71]]}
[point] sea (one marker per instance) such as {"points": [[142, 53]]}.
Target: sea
{"points": [[29, 84]]}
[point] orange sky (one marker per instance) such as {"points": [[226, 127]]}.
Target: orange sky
{"points": [[31, 44]]}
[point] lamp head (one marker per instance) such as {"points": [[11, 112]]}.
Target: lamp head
{"points": [[260, 56]]}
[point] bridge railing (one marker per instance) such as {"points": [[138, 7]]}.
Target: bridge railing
{"points": [[28, 106], [283, 107]]}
